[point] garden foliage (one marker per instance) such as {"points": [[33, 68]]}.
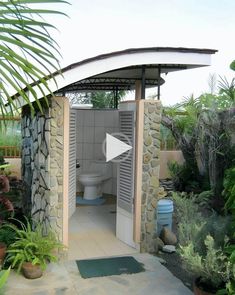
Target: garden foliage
{"points": [[202, 128], [202, 242]]}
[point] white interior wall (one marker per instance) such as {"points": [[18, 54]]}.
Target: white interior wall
{"points": [[91, 128]]}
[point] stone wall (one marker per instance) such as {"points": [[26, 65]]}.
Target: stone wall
{"points": [[42, 164], [151, 192]]}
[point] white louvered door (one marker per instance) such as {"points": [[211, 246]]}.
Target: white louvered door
{"points": [[72, 163], [125, 181]]}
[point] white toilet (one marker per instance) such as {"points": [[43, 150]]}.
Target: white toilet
{"points": [[92, 180]]}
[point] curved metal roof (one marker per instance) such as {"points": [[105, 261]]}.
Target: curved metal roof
{"points": [[123, 68], [154, 61]]}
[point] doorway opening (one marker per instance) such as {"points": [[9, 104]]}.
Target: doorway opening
{"points": [[93, 222]]}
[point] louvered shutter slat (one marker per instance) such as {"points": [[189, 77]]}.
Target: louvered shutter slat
{"points": [[126, 166], [72, 163]]}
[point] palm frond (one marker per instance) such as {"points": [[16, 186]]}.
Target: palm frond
{"points": [[29, 56], [227, 88]]}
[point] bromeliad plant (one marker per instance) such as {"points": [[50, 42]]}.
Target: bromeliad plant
{"points": [[33, 246]]}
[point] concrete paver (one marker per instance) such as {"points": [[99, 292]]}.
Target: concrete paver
{"points": [[64, 279]]}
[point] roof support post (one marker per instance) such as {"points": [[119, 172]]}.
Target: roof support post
{"points": [[158, 85], [143, 83], [115, 97], [137, 89]]}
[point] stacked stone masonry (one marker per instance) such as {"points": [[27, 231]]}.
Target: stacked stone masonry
{"points": [[42, 164], [151, 192]]}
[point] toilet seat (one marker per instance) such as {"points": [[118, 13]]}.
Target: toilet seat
{"points": [[90, 175], [92, 179], [92, 183]]}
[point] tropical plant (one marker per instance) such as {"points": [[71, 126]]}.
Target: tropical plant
{"points": [[183, 176], [229, 189], [204, 198], [167, 140], [201, 126], [32, 245], [28, 53], [229, 194], [98, 99], [101, 99]]}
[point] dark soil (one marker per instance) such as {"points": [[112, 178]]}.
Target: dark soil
{"points": [[174, 264]]}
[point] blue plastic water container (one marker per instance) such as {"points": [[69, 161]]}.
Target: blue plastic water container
{"points": [[165, 210]]}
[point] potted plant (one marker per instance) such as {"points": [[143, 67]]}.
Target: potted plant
{"points": [[32, 250]]}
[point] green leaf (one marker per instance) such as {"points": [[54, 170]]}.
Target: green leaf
{"points": [[28, 52], [232, 65], [3, 276]]}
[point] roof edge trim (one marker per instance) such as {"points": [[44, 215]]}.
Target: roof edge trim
{"points": [[139, 50]]}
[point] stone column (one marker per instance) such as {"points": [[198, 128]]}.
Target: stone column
{"points": [[42, 163], [151, 192]]}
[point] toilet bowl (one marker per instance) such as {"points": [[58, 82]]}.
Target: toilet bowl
{"points": [[93, 179]]}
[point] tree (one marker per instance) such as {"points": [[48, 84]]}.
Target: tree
{"points": [[101, 99], [201, 128], [232, 65], [28, 53], [98, 99]]}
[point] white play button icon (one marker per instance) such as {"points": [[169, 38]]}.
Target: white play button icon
{"points": [[115, 147]]}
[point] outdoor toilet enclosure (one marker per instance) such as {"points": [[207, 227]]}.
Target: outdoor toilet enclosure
{"points": [[49, 155]]}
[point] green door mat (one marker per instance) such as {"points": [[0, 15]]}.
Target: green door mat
{"points": [[108, 266]]}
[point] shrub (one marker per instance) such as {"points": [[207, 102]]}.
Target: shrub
{"points": [[229, 189], [190, 220], [202, 241], [203, 199], [7, 234], [183, 177], [213, 268]]}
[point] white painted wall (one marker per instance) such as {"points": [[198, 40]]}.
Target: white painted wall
{"points": [[92, 126]]}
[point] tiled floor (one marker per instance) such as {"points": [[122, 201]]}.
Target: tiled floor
{"points": [[92, 233]]}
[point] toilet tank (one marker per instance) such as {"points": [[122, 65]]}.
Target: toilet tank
{"points": [[102, 167]]}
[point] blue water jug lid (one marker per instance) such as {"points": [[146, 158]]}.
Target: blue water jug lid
{"points": [[165, 202], [165, 206]]}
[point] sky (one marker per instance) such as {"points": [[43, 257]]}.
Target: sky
{"points": [[101, 26]]}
